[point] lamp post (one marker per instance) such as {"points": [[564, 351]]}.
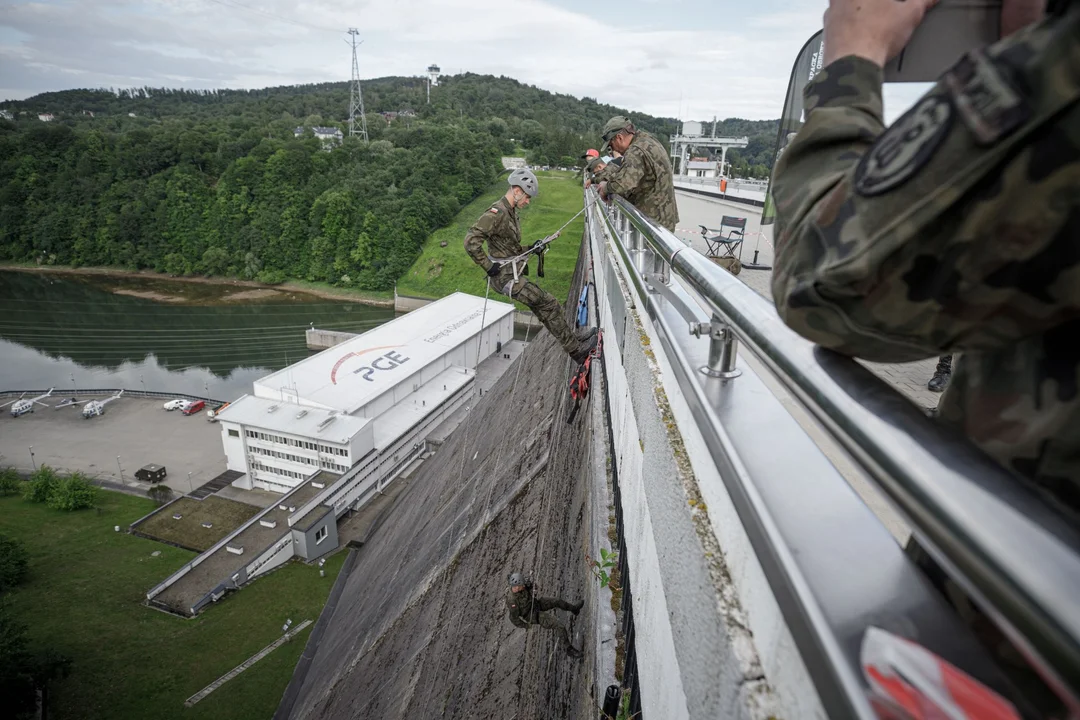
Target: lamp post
{"points": [[118, 467], [189, 486], [32, 461]]}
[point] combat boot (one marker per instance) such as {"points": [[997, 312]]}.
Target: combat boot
{"points": [[574, 652], [576, 607], [941, 375], [584, 347], [586, 333]]}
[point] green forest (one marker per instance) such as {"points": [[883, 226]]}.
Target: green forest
{"points": [[215, 182]]}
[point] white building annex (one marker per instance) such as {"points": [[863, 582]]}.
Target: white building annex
{"points": [[331, 431], [358, 400]]}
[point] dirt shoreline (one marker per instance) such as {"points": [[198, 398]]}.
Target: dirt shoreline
{"points": [[228, 282]]}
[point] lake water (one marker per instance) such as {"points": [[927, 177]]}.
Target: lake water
{"points": [[74, 331]]}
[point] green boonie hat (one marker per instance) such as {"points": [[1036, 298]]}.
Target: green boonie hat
{"points": [[611, 128], [593, 163]]}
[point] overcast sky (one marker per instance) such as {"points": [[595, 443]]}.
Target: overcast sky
{"points": [[677, 58]]}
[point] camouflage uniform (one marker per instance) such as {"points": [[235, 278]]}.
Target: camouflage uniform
{"points": [[499, 227], [591, 171], [644, 179], [525, 610], [956, 229]]}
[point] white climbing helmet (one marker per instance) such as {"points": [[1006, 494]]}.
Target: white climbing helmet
{"points": [[525, 180]]}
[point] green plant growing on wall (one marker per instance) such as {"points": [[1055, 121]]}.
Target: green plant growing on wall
{"points": [[624, 707], [602, 568]]}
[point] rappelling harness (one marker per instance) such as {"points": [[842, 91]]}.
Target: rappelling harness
{"points": [[579, 381]]}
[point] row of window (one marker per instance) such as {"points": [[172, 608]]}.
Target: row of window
{"points": [[321, 534], [284, 455], [281, 440], [326, 464], [277, 471]]}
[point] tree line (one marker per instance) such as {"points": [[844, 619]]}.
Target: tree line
{"points": [[214, 182], [219, 197]]}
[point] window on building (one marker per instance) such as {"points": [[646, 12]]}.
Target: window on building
{"points": [[321, 534], [234, 433]]}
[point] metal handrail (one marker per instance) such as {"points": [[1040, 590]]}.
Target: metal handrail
{"points": [[992, 534]]}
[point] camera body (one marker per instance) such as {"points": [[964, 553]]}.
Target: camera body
{"points": [[950, 29]]}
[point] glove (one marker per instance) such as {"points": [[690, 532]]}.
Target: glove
{"points": [[494, 269]]}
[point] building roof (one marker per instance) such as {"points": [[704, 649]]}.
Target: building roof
{"points": [[288, 417], [318, 130], [348, 376]]}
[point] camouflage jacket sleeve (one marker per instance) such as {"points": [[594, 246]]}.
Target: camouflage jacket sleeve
{"points": [[604, 174], [478, 234], [515, 616], [953, 229], [624, 179]]}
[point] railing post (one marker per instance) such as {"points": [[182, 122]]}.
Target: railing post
{"points": [[640, 251], [723, 348]]}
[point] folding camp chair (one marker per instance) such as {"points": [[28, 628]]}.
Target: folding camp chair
{"points": [[731, 242]]}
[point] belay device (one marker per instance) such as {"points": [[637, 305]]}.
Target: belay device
{"points": [[579, 381]]}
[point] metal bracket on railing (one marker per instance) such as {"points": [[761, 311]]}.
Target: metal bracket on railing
{"points": [[722, 348]]}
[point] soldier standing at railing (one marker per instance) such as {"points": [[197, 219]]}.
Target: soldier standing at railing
{"points": [[644, 177]]}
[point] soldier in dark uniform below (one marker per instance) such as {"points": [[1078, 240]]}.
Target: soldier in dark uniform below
{"points": [[526, 610], [643, 176], [499, 228]]}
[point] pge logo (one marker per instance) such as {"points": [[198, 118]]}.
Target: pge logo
{"points": [[389, 361]]}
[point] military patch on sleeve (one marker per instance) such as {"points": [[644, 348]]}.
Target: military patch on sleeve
{"points": [[493, 211], [904, 147], [985, 98]]}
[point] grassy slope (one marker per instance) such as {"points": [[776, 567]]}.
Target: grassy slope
{"points": [[440, 271], [83, 599]]}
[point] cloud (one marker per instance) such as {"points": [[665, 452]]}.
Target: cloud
{"points": [[639, 63]]}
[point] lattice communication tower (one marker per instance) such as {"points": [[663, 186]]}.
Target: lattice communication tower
{"points": [[356, 98]]}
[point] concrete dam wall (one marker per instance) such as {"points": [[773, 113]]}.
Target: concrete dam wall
{"points": [[420, 629]]}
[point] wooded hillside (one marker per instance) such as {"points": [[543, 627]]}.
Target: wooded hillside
{"points": [[214, 182]]}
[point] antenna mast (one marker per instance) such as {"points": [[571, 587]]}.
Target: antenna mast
{"points": [[356, 98]]}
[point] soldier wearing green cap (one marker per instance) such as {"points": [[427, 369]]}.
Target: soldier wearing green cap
{"points": [[644, 177], [593, 169]]}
